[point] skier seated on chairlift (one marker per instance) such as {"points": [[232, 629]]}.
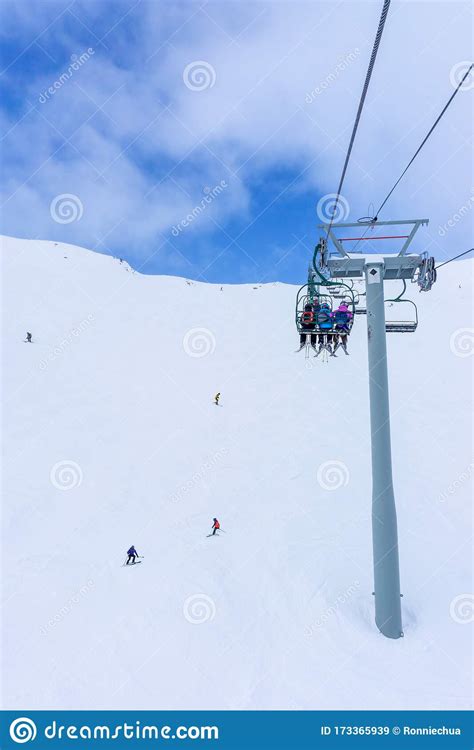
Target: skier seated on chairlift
{"points": [[132, 554], [325, 325], [308, 324], [342, 319]]}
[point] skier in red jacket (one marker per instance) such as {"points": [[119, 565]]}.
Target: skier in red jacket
{"points": [[216, 526]]}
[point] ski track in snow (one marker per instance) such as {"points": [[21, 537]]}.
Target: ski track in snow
{"points": [[112, 438]]}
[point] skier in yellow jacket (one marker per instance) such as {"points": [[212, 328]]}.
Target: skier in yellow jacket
{"points": [[216, 399]]}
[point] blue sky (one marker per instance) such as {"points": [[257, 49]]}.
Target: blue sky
{"points": [[198, 138]]}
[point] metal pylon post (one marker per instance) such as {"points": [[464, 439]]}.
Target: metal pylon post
{"points": [[384, 517]]}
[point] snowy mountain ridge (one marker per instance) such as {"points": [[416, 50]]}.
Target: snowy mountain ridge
{"points": [[111, 437]]}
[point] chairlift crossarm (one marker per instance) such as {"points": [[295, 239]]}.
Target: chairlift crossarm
{"points": [[331, 278], [337, 241]]}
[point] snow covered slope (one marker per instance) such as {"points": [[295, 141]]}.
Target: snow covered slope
{"points": [[111, 438]]}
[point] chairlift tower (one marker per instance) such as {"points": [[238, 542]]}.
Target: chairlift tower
{"points": [[376, 269]]}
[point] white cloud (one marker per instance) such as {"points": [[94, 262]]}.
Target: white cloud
{"points": [[256, 118]]}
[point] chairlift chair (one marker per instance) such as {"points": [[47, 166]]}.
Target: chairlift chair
{"points": [[408, 323]]}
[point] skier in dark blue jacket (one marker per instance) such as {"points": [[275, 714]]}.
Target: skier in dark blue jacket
{"points": [[132, 554]]}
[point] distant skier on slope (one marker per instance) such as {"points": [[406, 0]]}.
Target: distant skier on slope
{"points": [[215, 526], [29, 338], [216, 399], [132, 554]]}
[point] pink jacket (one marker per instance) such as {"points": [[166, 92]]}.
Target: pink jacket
{"points": [[343, 308]]}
